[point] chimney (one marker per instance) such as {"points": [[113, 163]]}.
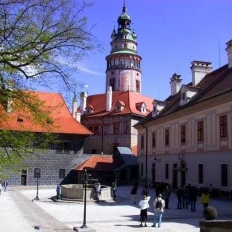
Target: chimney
{"points": [[109, 98], [74, 105], [229, 53], [175, 83], [78, 116], [199, 70], [83, 102]]}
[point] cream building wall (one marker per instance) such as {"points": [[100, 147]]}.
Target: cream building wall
{"points": [[212, 152]]}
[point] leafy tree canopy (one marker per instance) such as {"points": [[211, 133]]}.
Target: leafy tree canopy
{"points": [[38, 41]]}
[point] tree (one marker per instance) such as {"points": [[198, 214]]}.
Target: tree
{"points": [[42, 37], [38, 41]]}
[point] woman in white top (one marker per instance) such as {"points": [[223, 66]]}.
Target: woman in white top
{"points": [[144, 205]]}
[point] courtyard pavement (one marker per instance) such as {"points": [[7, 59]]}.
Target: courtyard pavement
{"points": [[20, 212]]}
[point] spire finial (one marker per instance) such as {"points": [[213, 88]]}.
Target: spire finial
{"points": [[124, 7]]}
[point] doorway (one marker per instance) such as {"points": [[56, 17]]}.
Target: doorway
{"points": [[24, 177]]}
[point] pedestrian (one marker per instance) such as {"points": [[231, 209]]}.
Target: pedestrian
{"points": [[185, 198], [144, 205], [97, 188], [193, 197], [134, 191], [5, 184], [58, 192], [159, 205], [0, 188], [179, 194], [114, 189], [145, 191], [166, 195], [205, 198]]}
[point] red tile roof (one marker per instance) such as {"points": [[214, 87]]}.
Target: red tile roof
{"points": [[63, 122], [99, 163], [129, 98]]}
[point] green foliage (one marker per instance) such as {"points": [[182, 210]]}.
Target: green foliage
{"points": [[39, 40], [43, 37]]}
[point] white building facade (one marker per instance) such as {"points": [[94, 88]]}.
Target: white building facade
{"points": [[187, 139]]}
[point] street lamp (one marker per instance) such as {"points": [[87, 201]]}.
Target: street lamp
{"points": [[37, 176], [146, 147], [85, 178]]}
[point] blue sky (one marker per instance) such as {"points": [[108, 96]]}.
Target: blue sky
{"points": [[171, 34]]}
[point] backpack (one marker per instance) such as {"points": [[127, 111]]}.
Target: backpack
{"points": [[158, 204]]}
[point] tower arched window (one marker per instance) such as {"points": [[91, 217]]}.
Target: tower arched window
{"points": [[138, 86], [112, 83]]}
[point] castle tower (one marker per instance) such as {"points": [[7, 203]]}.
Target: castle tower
{"points": [[123, 71]]}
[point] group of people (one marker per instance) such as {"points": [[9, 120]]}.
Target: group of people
{"points": [[97, 190], [158, 205], [186, 196]]}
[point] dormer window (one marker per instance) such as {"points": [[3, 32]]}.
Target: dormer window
{"points": [[120, 106], [89, 109], [20, 119], [141, 106], [158, 106], [187, 92]]}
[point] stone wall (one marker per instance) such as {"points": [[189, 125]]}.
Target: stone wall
{"points": [[215, 226]]}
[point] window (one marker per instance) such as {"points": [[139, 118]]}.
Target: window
{"points": [[116, 128], [200, 131], [153, 139], [137, 85], [94, 129], [112, 83], [223, 126], [125, 127], [63, 147], [142, 141], [224, 175], [183, 134], [200, 174], [61, 173], [167, 137], [183, 96], [166, 171]]}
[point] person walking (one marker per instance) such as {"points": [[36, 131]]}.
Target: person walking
{"points": [[58, 192], [114, 189], [179, 194], [0, 188], [97, 188], [193, 198], [5, 184], [159, 205], [134, 191], [185, 198], [144, 205], [166, 195], [205, 198]]}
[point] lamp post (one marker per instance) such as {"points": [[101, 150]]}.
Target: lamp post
{"points": [[85, 178], [37, 176], [146, 147]]}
